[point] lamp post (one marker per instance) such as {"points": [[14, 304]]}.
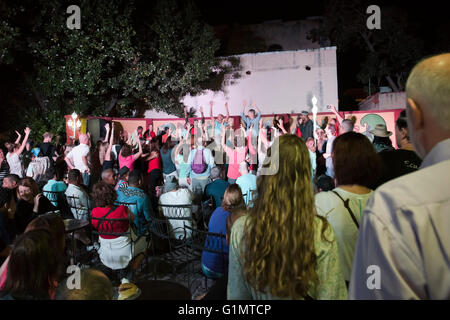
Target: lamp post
{"points": [[74, 124], [314, 111]]}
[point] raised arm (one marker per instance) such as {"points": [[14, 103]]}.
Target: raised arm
{"points": [[281, 125], [202, 115], [250, 144], [19, 136], [186, 120], [111, 140], [336, 113], [137, 155], [228, 112], [24, 142], [107, 132], [211, 103], [224, 145]]}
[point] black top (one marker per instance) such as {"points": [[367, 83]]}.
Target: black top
{"points": [[108, 164], [47, 150], [24, 212], [397, 163], [307, 129]]}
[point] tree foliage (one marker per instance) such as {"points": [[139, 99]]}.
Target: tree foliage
{"points": [[390, 52], [121, 61]]}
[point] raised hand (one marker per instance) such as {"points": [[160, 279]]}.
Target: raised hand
{"points": [[17, 132], [280, 122], [27, 130], [211, 103], [107, 126]]}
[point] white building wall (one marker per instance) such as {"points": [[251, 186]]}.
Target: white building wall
{"points": [[278, 83]]}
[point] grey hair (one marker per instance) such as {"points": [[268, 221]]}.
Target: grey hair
{"points": [[347, 125], [215, 172]]}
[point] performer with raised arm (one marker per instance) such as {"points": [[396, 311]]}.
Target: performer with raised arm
{"points": [[217, 127], [252, 117], [336, 121]]}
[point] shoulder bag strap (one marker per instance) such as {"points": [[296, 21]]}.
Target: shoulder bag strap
{"points": [[113, 208], [348, 208]]}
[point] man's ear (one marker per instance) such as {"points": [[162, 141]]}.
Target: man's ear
{"points": [[415, 114]]}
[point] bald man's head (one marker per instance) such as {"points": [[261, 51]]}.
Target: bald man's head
{"points": [[428, 110], [429, 85], [84, 139]]}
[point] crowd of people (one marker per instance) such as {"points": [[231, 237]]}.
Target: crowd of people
{"points": [[305, 211]]}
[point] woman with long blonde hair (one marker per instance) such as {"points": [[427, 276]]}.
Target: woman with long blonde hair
{"points": [[282, 249]]}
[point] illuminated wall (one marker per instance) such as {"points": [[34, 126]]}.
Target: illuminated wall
{"points": [[364, 121]]}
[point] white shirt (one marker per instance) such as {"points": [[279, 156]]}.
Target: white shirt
{"points": [[15, 165], [180, 197], [77, 154], [82, 204], [405, 232], [329, 150], [331, 207]]}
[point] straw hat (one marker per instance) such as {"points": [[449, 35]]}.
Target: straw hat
{"points": [[380, 131]]}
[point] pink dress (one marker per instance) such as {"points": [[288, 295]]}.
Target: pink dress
{"points": [[128, 161]]}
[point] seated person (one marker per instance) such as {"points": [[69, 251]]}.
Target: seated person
{"points": [[247, 182], [30, 204], [135, 194], [217, 188], [174, 195], [123, 176], [33, 268], [80, 205], [109, 176], [213, 265], [54, 224], [94, 285], [7, 229], [10, 181], [55, 183], [115, 251], [218, 291]]}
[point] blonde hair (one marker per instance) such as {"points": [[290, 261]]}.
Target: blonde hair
{"points": [[279, 233]]}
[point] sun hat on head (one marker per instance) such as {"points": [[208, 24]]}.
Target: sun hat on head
{"points": [[380, 131]]}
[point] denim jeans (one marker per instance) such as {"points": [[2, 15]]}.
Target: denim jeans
{"points": [[211, 274], [86, 179]]}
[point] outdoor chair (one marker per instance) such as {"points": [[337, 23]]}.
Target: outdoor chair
{"points": [[201, 241], [105, 228]]}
